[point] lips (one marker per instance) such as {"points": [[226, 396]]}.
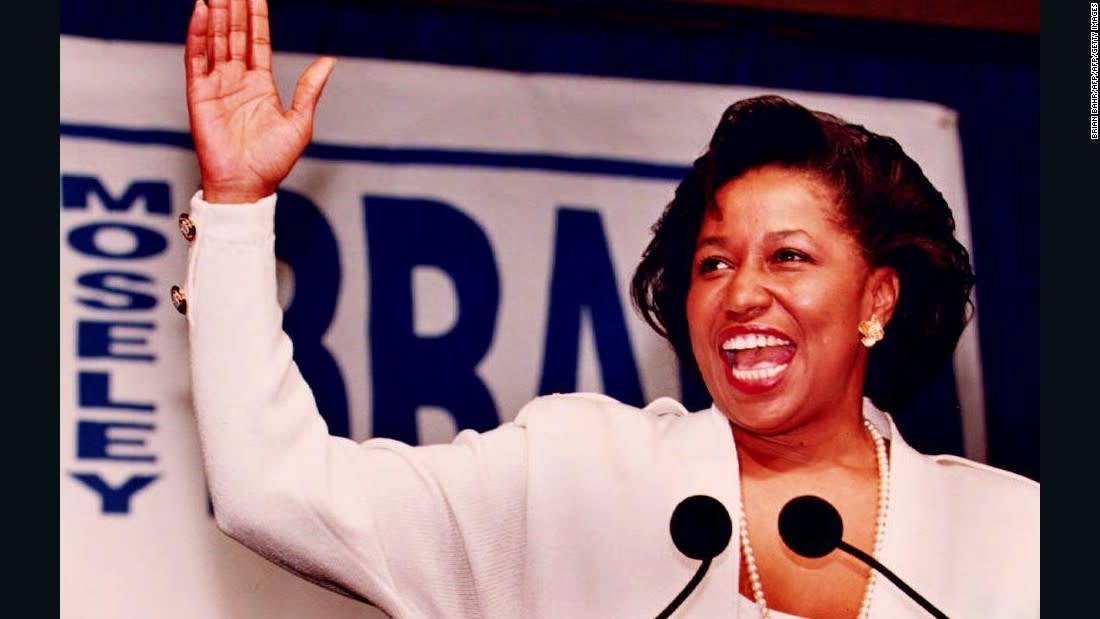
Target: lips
{"points": [[757, 357]]}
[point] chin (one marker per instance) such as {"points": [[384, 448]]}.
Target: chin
{"points": [[767, 406], [752, 419]]}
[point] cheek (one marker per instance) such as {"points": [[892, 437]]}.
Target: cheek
{"points": [[692, 304], [828, 310], [699, 309]]}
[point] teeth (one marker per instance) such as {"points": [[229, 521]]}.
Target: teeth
{"points": [[759, 373], [753, 340]]}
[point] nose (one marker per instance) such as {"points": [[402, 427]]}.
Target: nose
{"points": [[747, 294]]}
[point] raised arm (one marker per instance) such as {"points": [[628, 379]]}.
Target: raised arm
{"points": [[420, 531], [245, 141]]}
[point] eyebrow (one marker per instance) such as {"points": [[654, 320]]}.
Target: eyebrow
{"points": [[782, 234], [772, 237]]}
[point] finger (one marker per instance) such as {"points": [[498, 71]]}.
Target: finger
{"points": [[195, 47], [238, 29], [260, 29], [219, 17], [308, 90]]}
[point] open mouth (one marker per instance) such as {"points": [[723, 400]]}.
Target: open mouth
{"points": [[757, 360]]}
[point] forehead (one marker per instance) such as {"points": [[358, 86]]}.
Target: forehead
{"points": [[774, 197]]}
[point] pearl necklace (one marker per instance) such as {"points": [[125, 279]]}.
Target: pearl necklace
{"points": [[880, 531]]}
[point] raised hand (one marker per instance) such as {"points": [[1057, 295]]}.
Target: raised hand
{"points": [[246, 142]]}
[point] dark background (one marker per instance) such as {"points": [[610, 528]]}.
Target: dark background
{"points": [[979, 58]]}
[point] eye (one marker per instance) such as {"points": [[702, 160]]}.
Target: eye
{"points": [[790, 255], [711, 264]]}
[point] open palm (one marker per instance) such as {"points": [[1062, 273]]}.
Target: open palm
{"points": [[245, 141]]}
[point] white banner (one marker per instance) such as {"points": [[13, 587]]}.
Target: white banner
{"points": [[429, 192]]}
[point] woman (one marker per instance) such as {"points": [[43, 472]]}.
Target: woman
{"points": [[803, 264]]}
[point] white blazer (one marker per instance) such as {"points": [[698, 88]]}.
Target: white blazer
{"points": [[563, 512]]}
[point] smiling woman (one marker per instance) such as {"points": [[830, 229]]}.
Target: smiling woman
{"points": [[795, 244], [800, 254], [774, 261]]}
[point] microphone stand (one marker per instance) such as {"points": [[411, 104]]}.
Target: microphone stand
{"points": [[869, 560], [679, 599]]}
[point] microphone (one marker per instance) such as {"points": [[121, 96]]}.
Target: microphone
{"points": [[812, 528], [701, 529]]}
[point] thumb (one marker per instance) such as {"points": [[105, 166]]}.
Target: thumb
{"points": [[309, 87]]}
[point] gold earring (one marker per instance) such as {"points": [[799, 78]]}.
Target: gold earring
{"points": [[871, 330]]}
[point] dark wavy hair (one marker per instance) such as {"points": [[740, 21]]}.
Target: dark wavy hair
{"points": [[899, 218]]}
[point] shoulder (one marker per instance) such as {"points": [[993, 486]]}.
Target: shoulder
{"points": [[583, 407], [970, 473], [966, 489], [961, 490], [599, 417], [969, 478], [971, 486], [958, 520], [960, 479]]}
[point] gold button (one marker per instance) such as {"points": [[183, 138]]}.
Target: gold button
{"points": [[187, 227], [179, 300]]}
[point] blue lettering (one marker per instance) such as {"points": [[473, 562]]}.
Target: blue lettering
{"points": [[147, 242], [305, 242], [75, 191], [583, 279], [113, 283], [115, 500], [93, 440], [409, 371], [94, 389], [94, 340]]}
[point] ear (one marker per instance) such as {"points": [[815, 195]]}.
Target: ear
{"points": [[883, 287]]}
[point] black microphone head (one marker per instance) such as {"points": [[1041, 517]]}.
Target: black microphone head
{"points": [[701, 527], [810, 526]]}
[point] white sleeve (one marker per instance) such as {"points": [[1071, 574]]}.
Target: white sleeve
{"points": [[419, 531]]}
